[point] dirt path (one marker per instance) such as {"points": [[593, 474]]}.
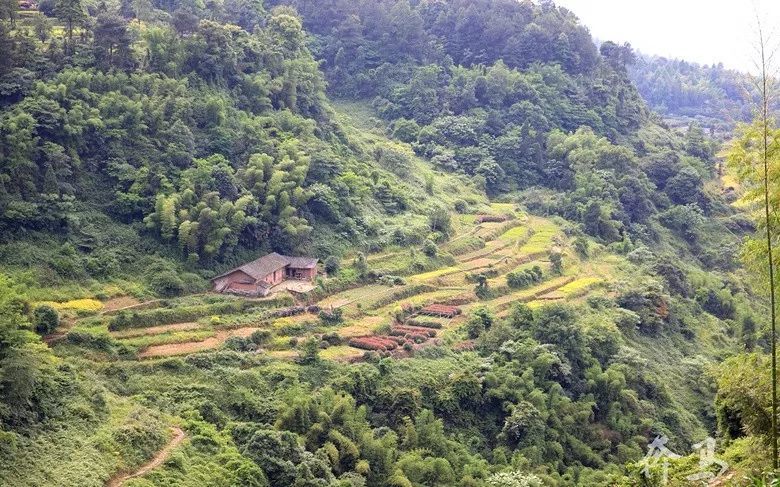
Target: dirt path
{"points": [[120, 302], [159, 458]]}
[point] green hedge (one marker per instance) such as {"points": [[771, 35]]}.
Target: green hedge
{"points": [[164, 316]]}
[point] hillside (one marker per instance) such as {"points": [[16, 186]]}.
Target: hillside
{"points": [[713, 97], [525, 277]]}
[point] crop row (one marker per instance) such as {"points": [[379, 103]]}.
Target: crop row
{"points": [[377, 343], [164, 316]]}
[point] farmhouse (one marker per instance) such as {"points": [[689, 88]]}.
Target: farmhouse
{"points": [[256, 278]]}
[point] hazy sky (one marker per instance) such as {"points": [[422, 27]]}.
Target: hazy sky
{"points": [[704, 31]]}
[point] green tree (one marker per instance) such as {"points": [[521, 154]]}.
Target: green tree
{"points": [[332, 265], [72, 13], [45, 319], [310, 351], [112, 42]]}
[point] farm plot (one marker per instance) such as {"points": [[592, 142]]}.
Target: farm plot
{"points": [[370, 310], [188, 347]]}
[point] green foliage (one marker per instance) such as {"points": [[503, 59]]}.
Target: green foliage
{"points": [[32, 387], [478, 322], [330, 317], [45, 319], [310, 349], [156, 143], [429, 248], [743, 403], [524, 278], [332, 265], [140, 319], [556, 263]]}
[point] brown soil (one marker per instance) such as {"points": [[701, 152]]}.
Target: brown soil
{"points": [[478, 263], [159, 458], [154, 330], [192, 347], [120, 302], [723, 480]]}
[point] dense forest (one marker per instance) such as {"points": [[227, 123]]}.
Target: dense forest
{"points": [[484, 155], [715, 97]]}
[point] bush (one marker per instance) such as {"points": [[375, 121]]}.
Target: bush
{"points": [[260, 337], [685, 220], [556, 259], [166, 284], [45, 319], [331, 317], [405, 130], [581, 246], [332, 265], [239, 344], [310, 351], [718, 303], [524, 278], [429, 248], [440, 221], [479, 321]]}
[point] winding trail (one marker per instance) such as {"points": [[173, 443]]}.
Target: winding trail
{"points": [[178, 436]]}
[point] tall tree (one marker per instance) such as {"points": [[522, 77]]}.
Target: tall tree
{"points": [[112, 42], [72, 13], [755, 154]]}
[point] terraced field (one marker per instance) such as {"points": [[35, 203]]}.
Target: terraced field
{"points": [[493, 250]]}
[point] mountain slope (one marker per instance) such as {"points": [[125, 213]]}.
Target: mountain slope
{"points": [[479, 155]]}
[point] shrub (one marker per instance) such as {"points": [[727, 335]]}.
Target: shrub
{"points": [[685, 220], [45, 319], [480, 320], [461, 206], [719, 303], [556, 259], [332, 338], [361, 265], [310, 351], [332, 265], [239, 344], [440, 221], [100, 342], [481, 289], [331, 317], [429, 248], [166, 284], [405, 130], [524, 278], [260, 337], [582, 247]]}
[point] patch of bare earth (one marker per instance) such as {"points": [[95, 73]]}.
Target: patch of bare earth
{"points": [[156, 461], [119, 302], [154, 330], [478, 263], [722, 480], [186, 348]]}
